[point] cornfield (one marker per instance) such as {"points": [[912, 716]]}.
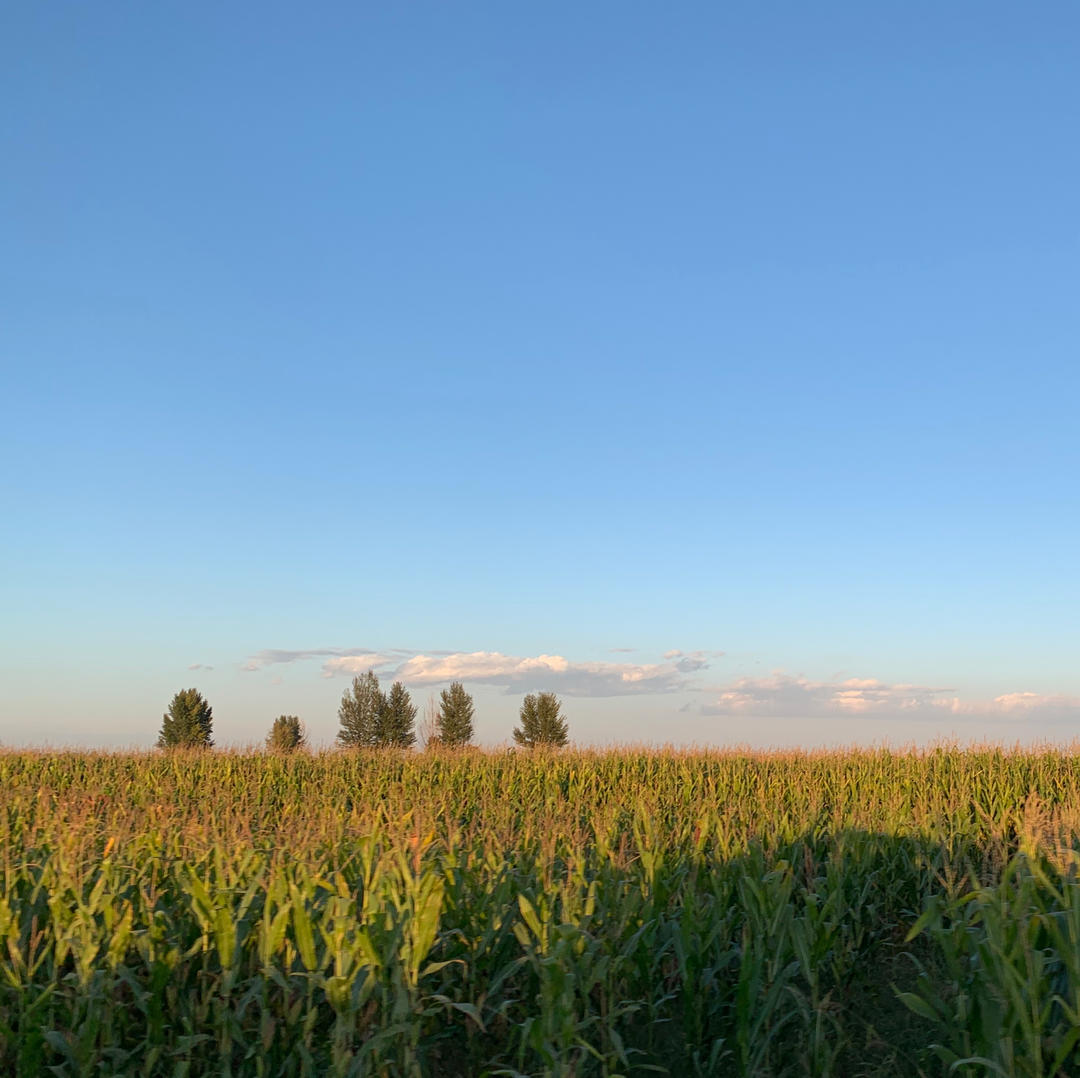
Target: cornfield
{"points": [[572, 914]]}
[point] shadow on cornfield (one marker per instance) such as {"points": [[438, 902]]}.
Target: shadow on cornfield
{"points": [[443, 928]]}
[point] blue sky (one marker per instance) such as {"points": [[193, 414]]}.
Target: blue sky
{"points": [[484, 340]]}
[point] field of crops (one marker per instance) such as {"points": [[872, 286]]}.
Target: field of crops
{"points": [[859, 913]]}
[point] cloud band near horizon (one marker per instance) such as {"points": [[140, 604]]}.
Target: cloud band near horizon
{"points": [[779, 695], [793, 696], [512, 673]]}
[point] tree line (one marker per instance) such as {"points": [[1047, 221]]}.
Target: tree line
{"points": [[370, 718]]}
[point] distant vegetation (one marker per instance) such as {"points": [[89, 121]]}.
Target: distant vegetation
{"points": [[541, 722], [454, 720], [188, 724], [286, 735], [372, 719], [369, 718], [539, 913]]}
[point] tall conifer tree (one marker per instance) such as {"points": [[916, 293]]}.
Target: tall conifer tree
{"points": [[359, 714], [454, 723], [286, 735], [396, 726], [541, 723], [188, 723]]}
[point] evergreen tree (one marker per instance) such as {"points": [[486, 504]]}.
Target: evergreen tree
{"points": [[360, 712], [541, 723], [188, 722], [397, 718], [454, 720], [286, 735]]}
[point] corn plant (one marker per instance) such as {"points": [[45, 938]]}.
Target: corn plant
{"points": [[570, 914]]}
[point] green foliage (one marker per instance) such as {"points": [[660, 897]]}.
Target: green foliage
{"points": [[541, 722], [188, 723], [370, 719], [586, 914], [361, 706], [454, 722], [397, 718], [286, 735]]}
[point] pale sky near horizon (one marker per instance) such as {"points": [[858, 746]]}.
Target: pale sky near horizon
{"points": [[712, 366]]}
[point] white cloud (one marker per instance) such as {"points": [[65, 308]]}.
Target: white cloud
{"points": [[479, 666], [355, 664], [547, 672], [794, 696], [515, 673], [275, 656], [1021, 705], [511, 672]]}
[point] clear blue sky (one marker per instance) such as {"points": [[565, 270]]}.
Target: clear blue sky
{"points": [[402, 333]]}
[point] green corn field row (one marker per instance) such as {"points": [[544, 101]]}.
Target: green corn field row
{"points": [[630, 912]]}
